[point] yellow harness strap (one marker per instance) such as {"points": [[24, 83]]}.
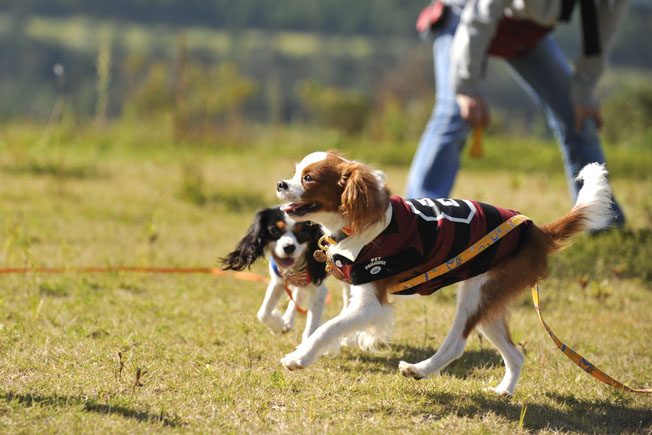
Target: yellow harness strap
{"points": [[489, 239]]}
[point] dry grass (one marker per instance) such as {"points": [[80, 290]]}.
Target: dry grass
{"points": [[153, 353]]}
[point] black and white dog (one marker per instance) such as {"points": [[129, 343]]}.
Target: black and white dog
{"points": [[292, 268]]}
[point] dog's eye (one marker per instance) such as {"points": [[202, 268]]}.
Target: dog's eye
{"points": [[275, 232], [307, 178]]}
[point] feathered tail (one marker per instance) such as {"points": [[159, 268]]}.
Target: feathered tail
{"points": [[591, 212]]}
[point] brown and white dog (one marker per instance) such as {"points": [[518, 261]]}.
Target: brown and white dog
{"points": [[351, 202]]}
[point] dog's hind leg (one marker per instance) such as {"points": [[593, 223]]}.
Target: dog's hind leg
{"points": [[497, 332], [363, 309], [469, 299]]}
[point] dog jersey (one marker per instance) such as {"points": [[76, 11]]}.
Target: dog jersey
{"points": [[424, 233]]}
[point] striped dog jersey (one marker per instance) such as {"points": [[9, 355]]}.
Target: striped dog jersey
{"points": [[424, 233]]}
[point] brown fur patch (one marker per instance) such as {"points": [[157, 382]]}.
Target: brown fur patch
{"points": [[508, 333], [327, 186], [363, 201], [381, 287], [346, 187], [280, 225], [563, 229]]}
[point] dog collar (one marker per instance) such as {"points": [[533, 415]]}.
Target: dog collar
{"points": [[272, 263], [298, 277]]}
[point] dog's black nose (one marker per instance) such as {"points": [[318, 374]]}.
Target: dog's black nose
{"points": [[289, 249], [281, 185]]}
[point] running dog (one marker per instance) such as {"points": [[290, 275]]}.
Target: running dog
{"points": [[375, 241], [292, 268]]}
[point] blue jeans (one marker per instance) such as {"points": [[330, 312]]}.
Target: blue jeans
{"points": [[545, 75]]}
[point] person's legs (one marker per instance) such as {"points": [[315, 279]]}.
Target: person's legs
{"points": [[546, 76], [436, 160]]}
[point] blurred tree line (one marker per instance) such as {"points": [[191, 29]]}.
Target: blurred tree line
{"points": [[379, 17], [206, 66], [375, 18]]}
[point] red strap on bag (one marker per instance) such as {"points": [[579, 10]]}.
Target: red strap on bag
{"points": [[514, 38]]}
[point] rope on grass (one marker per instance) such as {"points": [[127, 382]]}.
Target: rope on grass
{"points": [[241, 275], [245, 276]]}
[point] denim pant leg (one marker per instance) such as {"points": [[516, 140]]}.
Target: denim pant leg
{"points": [[546, 76], [436, 160]]}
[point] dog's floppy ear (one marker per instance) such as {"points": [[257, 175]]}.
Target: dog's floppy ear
{"points": [[316, 269], [250, 248], [365, 197]]}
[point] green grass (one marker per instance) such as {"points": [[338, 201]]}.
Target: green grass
{"points": [[124, 196]]}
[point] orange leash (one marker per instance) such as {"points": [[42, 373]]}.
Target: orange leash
{"points": [[289, 292], [578, 359], [246, 276], [298, 308]]}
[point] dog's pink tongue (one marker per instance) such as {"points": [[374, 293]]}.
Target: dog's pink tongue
{"points": [[285, 262], [288, 207]]}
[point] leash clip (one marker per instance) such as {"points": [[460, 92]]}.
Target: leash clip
{"points": [[321, 254], [323, 243]]}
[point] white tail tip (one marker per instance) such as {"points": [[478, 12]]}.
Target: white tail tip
{"points": [[595, 196]]}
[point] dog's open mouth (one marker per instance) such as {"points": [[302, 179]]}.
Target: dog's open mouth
{"points": [[284, 262], [296, 209]]}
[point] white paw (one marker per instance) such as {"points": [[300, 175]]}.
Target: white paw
{"points": [[287, 327], [296, 360], [274, 322], [410, 371], [288, 324], [500, 391]]}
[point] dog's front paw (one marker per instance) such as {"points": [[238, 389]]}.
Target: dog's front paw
{"points": [[500, 391], [410, 371], [288, 324], [273, 321], [296, 360]]}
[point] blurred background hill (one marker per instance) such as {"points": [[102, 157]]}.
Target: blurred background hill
{"points": [[205, 66]]}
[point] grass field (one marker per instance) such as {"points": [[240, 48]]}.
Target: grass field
{"points": [[126, 352]]}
